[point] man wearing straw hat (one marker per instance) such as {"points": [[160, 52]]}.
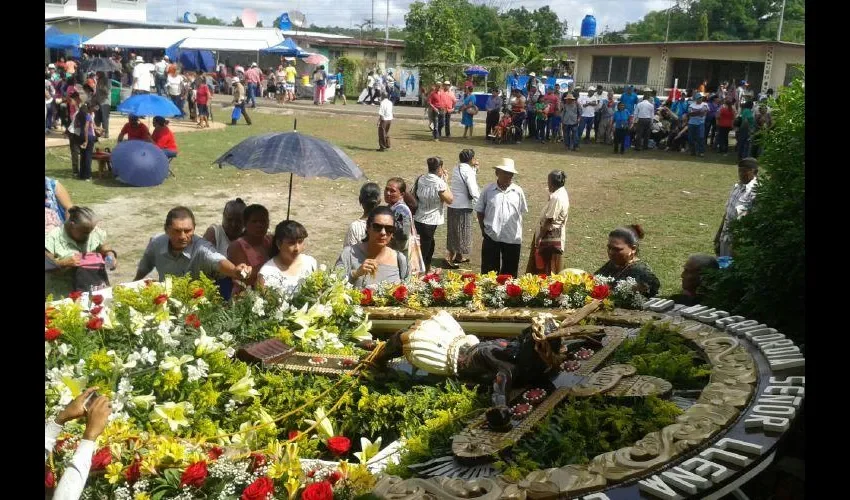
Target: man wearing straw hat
{"points": [[500, 208]]}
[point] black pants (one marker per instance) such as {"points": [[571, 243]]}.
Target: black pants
{"points": [[85, 166], [244, 114], [101, 119], [518, 120], [500, 257], [710, 128], [620, 139], [644, 125], [596, 117], [426, 241], [723, 139], [447, 124], [492, 121], [532, 125], [74, 142]]}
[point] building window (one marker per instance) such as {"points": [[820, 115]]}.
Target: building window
{"points": [[87, 5], [335, 54], [617, 69], [371, 55], [391, 59]]}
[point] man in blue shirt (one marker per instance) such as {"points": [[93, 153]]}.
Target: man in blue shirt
{"points": [[696, 125], [340, 86], [621, 127], [629, 99]]}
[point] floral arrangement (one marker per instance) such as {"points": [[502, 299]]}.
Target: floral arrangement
{"points": [[570, 290], [191, 421]]}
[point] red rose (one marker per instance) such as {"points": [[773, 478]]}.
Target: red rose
{"points": [[160, 299], [513, 290], [194, 475], [257, 461], [556, 289], [469, 288], [293, 435], [311, 473], [75, 295], [339, 445], [467, 276], [95, 324], [366, 299], [438, 294], [96, 310], [400, 293], [134, 472], [262, 488], [334, 477], [52, 334], [193, 320], [198, 293], [600, 292], [542, 276], [101, 459], [318, 491], [502, 278], [214, 452], [97, 299], [49, 478], [431, 277]]}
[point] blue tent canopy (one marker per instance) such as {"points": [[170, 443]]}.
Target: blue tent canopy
{"points": [[196, 60], [55, 39], [286, 48]]}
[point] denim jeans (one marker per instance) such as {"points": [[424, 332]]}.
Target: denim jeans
{"points": [[437, 120], [178, 101], [252, 92], [586, 124], [553, 127], [540, 128], [696, 138], [571, 136]]}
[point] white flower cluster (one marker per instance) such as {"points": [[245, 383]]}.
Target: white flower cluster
{"points": [[234, 474], [145, 356], [625, 294]]}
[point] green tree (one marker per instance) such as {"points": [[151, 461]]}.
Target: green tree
{"points": [[436, 31], [767, 279], [210, 21]]}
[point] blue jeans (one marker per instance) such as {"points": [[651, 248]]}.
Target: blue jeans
{"points": [[586, 124], [252, 92], [553, 126], [540, 127], [178, 101], [571, 136], [169, 153], [159, 81], [696, 137]]}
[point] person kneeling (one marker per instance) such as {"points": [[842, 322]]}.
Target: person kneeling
{"points": [[163, 138]]}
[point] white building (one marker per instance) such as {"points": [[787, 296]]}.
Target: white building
{"points": [[104, 10]]}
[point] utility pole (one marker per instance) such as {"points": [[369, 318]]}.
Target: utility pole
{"points": [[781, 17], [372, 24], [667, 35], [387, 34]]}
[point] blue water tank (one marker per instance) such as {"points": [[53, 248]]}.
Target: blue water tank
{"points": [[588, 26]]}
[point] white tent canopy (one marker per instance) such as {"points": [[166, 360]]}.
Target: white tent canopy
{"points": [[138, 38], [234, 39]]}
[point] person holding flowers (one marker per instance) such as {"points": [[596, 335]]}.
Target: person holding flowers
{"points": [[372, 261], [623, 261]]}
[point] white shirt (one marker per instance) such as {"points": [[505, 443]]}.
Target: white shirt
{"points": [[386, 109], [502, 212], [73, 480], [175, 82], [370, 81], [587, 111], [464, 183], [287, 285], [557, 209], [160, 68], [356, 233], [645, 109], [143, 76], [739, 203], [430, 210]]}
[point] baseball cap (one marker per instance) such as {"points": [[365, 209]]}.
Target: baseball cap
{"points": [[140, 59], [532, 74], [234, 80], [447, 82], [253, 65]]}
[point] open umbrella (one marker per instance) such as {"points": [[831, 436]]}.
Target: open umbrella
{"points": [[100, 64], [149, 105], [476, 71], [316, 59], [294, 153]]}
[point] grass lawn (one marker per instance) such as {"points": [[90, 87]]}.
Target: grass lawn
{"points": [[677, 198]]}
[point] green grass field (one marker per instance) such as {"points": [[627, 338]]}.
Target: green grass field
{"points": [[677, 198]]}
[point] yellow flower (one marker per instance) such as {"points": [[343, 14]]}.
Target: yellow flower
{"points": [[142, 496], [588, 300], [530, 284], [113, 472], [171, 413], [292, 486], [244, 388], [277, 470], [274, 449]]}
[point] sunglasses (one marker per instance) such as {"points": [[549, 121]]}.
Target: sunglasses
{"points": [[389, 229]]}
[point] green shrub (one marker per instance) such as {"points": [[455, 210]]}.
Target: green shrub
{"points": [[351, 74], [767, 278]]}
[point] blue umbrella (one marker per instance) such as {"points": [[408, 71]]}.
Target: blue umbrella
{"points": [[139, 163], [476, 71], [294, 153], [149, 105], [286, 48]]}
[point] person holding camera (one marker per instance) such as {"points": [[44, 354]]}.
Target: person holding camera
{"points": [[96, 409]]}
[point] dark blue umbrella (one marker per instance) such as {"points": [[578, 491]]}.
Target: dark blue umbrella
{"points": [[139, 163], [476, 71], [294, 153], [286, 48], [149, 105]]}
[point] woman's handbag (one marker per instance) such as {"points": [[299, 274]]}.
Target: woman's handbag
{"points": [[237, 113], [472, 110]]}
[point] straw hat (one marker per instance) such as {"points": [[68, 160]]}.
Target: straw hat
{"points": [[507, 166]]}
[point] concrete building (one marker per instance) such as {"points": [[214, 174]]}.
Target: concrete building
{"points": [[764, 64], [102, 10]]}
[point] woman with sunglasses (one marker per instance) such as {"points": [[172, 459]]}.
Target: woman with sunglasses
{"points": [[372, 260]]}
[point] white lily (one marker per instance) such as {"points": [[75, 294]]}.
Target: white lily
{"points": [[143, 402], [65, 349], [259, 307], [138, 322], [173, 414], [244, 388], [198, 371], [369, 448], [324, 427], [173, 363], [205, 344], [362, 331], [147, 355]]}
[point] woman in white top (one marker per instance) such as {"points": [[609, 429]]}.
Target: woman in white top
{"points": [[432, 194], [550, 238], [370, 197], [222, 235], [175, 84], [288, 266], [459, 221]]}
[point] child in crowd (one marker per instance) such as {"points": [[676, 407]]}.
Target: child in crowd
{"points": [[540, 117], [621, 127]]}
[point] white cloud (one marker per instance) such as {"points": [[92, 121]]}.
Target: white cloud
{"points": [[613, 13]]}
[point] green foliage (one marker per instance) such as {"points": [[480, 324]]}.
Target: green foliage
{"points": [[581, 428], [658, 352], [350, 74], [767, 278], [722, 20]]}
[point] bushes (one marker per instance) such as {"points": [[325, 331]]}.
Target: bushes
{"points": [[351, 74], [766, 281]]}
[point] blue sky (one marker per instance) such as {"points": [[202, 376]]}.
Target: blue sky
{"points": [[614, 13]]}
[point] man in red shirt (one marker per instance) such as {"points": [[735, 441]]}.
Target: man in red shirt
{"points": [[435, 101], [135, 130], [449, 100], [553, 117], [202, 98], [252, 77]]}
